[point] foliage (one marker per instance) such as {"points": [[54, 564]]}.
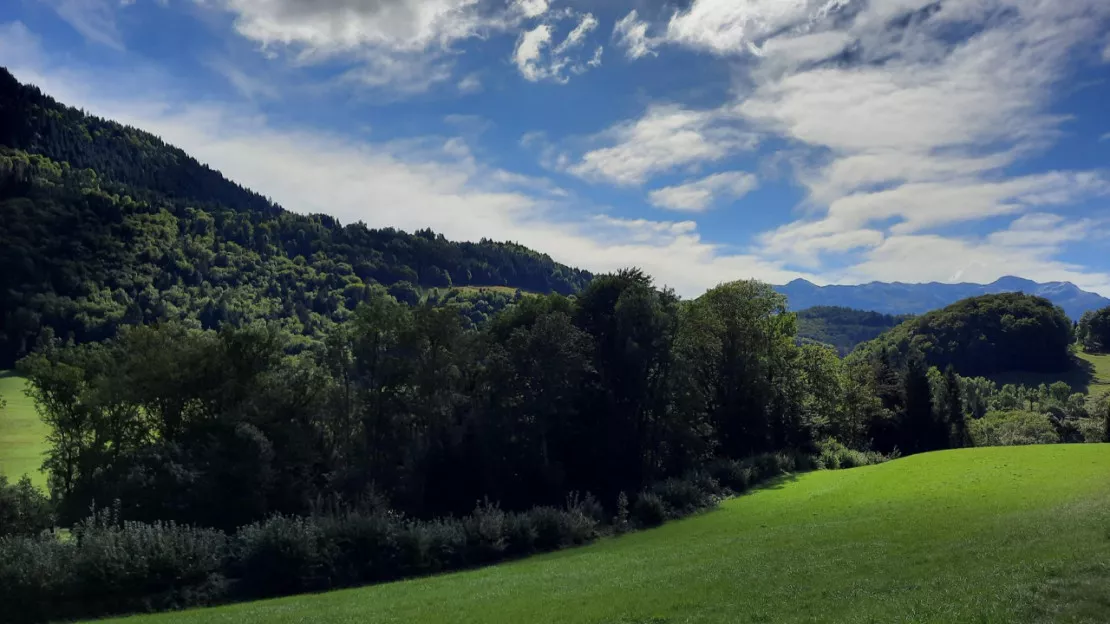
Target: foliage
{"points": [[1013, 428], [24, 509], [844, 328], [107, 226], [984, 335], [1093, 331]]}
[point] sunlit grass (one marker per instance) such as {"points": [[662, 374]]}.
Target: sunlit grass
{"points": [[975, 535], [22, 433]]}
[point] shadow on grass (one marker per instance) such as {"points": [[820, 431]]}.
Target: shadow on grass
{"points": [[775, 483], [5, 374], [1079, 377]]}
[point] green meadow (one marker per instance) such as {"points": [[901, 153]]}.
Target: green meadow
{"points": [[973, 535], [22, 434]]}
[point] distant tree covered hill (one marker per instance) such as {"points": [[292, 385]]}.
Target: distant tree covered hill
{"points": [[986, 335], [105, 225], [844, 328]]}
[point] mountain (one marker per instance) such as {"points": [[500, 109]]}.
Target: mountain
{"points": [[901, 298], [105, 225]]}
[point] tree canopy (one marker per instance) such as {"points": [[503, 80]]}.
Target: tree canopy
{"points": [[986, 335], [844, 328]]}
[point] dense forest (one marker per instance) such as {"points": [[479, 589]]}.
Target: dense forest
{"points": [[247, 402], [844, 328], [988, 334], [106, 226], [1093, 331]]}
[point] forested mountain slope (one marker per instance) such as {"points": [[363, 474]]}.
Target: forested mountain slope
{"points": [[106, 225], [844, 328]]}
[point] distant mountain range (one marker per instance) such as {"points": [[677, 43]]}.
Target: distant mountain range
{"points": [[900, 298]]}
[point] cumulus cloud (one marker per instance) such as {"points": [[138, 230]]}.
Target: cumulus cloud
{"points": [[630, 33], [536, 58], [665, 138], [401, 45], [700, 195]]}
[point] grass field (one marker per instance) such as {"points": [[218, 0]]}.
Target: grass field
{"points": [[975, 535], [1091, 376], [22, 434]]}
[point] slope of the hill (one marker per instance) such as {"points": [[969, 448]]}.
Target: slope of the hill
{"points": [[22, 433], [843, 328], [976, 535], [106, 225], [900, 298], [986, 335]]}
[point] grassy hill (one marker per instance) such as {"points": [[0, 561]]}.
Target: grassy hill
{"points": [[976, 535], [22, 434]]}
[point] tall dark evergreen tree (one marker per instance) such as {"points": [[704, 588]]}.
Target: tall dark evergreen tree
{"points": [[954, 410]]}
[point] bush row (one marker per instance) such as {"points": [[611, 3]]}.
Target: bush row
{"points": [[107, 566]]}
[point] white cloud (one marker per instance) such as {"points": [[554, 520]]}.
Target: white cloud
{"points": [[471, 83], [929, 257], [531, 8], [536, 58], [915, 133], [250, 87], [529, 52], [1106, 54], [666, 138], [327, 27], [95, 20], [585, 26], [728, 26], [699, 195], [630, 33], [403, 46], [18, 45]]}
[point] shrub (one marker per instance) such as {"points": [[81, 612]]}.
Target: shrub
{"points": [[586, 505], [556, 528], [834, 455], [681, 496], [649, 510], [364, 546], [35, 578], [437, 545], [1011, 428], [520, 534], [24, 509], [486, 533], [769, 465], [620, 521], [1093, 430], [281, 555], [731, 474]]}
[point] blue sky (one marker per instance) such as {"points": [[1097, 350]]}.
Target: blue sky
{"points": [[841, 141]]}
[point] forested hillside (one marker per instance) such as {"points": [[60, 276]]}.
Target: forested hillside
{"points": [[844, 328], [106, 225], [987, 335]]}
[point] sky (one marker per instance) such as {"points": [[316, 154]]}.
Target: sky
{"points": [[839, 141]]}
